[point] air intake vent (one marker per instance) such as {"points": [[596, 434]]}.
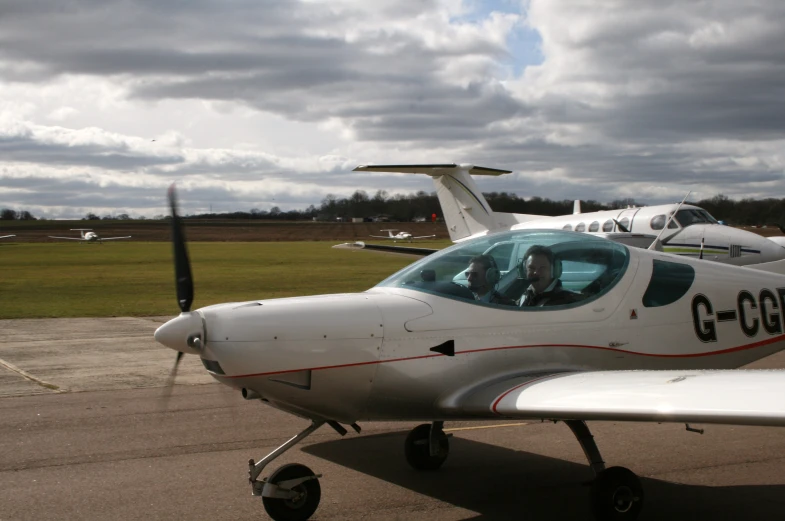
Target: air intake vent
{"points": [[212, 366]]}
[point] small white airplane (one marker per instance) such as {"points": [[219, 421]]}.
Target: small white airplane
{"points": [[400, 236], [89, 236], [682, 228], [7, 236], [645, 336]]}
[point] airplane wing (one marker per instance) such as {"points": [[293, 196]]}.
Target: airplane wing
{"points": [[67, 238], [359, 245], [732, 397], [113, 238], [381, 237], [423, 237]]}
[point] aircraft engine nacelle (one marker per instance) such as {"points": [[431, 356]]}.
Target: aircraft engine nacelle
{"points": [[312, 356]]}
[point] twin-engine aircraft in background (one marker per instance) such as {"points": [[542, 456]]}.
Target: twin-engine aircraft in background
{"points": [[89, 236], [644, 336], [400, 236], [692, 231]]}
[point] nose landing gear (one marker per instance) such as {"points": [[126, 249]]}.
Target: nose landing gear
{"points": [[292, 492]]}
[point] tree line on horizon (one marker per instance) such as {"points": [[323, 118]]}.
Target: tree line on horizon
{"points": [[422, 205]]}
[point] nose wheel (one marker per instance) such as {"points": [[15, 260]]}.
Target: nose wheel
{"points": [[294, 493], [427, 446]]}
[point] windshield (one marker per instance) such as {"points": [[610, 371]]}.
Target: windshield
{"points": [[694, 216], [563, 269]]}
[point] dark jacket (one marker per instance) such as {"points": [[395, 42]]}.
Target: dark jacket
{"points": [[556, 297], [498, 298]]}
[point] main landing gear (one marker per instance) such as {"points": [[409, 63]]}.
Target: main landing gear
{"points": [[616, 493], [427, 446]]}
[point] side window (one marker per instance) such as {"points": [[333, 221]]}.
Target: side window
{"points": [[672, 224], [607, 226], [595, 226], [501, 254], [567, 227], [669, 282], [625, 223], [657, 222], [581, 227]]}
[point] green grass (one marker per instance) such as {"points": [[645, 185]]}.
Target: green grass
{"points": [[137, 278]]}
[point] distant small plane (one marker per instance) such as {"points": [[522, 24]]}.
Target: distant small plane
{"points": [[88, 236], [7, 236], [400, 236]]}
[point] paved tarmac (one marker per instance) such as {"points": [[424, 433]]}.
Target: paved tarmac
{"points": [[86, 434]]}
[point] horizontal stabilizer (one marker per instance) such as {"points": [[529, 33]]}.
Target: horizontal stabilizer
{"points": [[433, 169], [359, 245]]}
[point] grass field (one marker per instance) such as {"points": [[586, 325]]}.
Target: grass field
{"points": [[137, 278]]}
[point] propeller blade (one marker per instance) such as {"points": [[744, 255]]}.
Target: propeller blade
{"points": [[167, 393], [182, 267]]}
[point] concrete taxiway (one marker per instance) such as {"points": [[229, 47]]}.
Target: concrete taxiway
{"points": [[87, 434]]}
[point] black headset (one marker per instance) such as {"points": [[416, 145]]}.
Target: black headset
{"points": [[492, 274]]}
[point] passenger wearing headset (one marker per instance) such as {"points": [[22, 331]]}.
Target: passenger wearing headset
{"points": [[542, 270], [483, 275]]}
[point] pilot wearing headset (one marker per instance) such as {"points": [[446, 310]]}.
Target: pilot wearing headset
{"points": [[483, 274], [542, 270]]}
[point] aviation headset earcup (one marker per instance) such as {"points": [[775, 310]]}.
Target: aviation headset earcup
{"points": [[492, 274], [557, 268]]}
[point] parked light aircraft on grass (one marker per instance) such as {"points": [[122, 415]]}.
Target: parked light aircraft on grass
{"points": [[400, 236], [648, 336], [7, 236], [89, 236], [692, 232]]}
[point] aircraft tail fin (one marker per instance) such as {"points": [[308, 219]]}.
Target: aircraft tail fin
{"points": [[465, 210], [576, 207]]}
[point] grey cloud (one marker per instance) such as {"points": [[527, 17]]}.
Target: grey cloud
{"points": [[30, 150]]}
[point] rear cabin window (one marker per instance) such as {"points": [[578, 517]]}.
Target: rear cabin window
{"points": [[625, 224], [581, 227], [607, 226], [595, 226], [567, 227], [669, 282]]}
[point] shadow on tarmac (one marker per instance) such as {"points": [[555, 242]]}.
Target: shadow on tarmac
{"points": [[504, 484]]}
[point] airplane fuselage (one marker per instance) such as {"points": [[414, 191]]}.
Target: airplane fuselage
{"points": [[717, 242], [371, 352]]}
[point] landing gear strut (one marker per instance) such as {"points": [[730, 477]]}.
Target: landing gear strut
{"points": [[292, 492], [427, 446], [616, 493]]}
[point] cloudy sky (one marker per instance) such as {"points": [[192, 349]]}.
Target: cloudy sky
{"points": [[255, 103]]}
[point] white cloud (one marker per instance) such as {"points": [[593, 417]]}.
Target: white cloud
{"points": [[245, 101]]}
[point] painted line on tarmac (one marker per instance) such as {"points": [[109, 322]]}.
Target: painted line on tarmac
{"points": [[25, 374], [484, 427]]}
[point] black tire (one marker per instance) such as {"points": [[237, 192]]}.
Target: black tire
{"points": [[301, 507], [616, 495], [417, 450]]}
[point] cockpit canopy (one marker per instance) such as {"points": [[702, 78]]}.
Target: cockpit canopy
{"points": [[689, 216], [588, 266]]}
